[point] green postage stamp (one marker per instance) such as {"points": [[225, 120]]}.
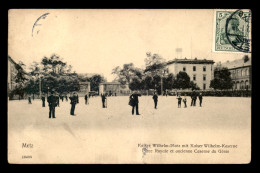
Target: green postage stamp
{"points": [[232, 31]]}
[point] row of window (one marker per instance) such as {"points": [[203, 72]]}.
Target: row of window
{"points": [[204, 77], [242, 72], [194, 68]]}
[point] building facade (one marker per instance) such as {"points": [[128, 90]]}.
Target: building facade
{"points": [[11, 73], [200, 71], [113, 88], [84, 88], [241, 73]]}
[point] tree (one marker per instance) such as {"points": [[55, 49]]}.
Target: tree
{"points": [[222, 79], [169, 82], [147, 82], [136, 84], [126, 74], [20, 80], [95, 80], [55, 74], [183, 80], [194, 86], [55, 65], [155, 64]]}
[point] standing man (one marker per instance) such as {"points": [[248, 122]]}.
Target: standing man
{"points": [[52, 100], [179, 100], [86, 98], [29, 99], [66, 97], [184, 101], [43, 100], [200, 98], [62, 97], [134, 97], [155, 99], [73, 102], [195, 99], [103, 97]]}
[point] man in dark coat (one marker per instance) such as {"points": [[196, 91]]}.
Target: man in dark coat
{"points": [[86, 99], [43, 100], [29, 99], [155, 99], [134, 98], [62, 97], [200, 98], [103, 97], [195, 99], [52, 100], [73, 101], [179, 100]]}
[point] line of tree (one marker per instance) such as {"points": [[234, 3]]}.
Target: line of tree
{"points": [[153, 76], [52, 74]]}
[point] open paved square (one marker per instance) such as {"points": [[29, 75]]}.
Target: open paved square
{"points": [[111, 134]]}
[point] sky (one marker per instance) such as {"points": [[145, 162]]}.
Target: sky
{"points": [[96, 41]]}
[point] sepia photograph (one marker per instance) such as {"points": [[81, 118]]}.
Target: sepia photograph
{"points": [[129, 86]]}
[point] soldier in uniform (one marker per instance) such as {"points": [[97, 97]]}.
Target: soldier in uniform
{"points": [[200, 98], [43, 100], [155, 99], [73, 101], [134, 97], [52, 100]]}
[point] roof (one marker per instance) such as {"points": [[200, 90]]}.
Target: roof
{"points": [[237, 63], [191, 61], [12, 60]]}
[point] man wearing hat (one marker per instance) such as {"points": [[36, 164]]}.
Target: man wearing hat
{"points": [[52, 100], [73, 101], [43, 100], [134, 98], [155, 99]]}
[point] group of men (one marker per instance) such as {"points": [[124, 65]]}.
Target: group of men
{"points": [[53, 101]]}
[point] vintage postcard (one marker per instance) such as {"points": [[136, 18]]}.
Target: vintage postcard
{"points": [[129, 86]]}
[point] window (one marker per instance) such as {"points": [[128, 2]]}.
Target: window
{"points": [[204, 68], [204, 86], [184, 68], [194, 68], [194, 77], [204, 77]]}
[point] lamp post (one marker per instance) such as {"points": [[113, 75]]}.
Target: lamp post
{"points": [[40, 85], [162, 81]]}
